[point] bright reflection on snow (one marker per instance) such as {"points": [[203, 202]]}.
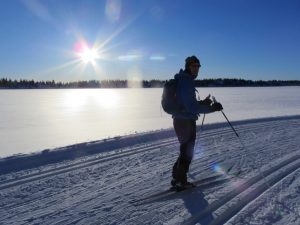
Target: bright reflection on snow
{"points": [[74, 99], [108, 98], [66, 116], [79, 99]]}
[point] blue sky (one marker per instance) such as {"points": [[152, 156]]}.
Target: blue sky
{"points": [[134, 39]]}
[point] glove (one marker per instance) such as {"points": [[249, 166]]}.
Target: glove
{"points": [[216, 107], [207, 101]]}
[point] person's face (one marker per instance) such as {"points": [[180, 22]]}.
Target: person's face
{"points": [[194, 69]]}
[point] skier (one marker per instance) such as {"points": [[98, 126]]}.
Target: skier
{"points": [[184, 121]]}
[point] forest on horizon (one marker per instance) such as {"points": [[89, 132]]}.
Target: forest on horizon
{"points": [[6, 83]]}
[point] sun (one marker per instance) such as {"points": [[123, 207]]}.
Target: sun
{"points": [[88, 55], [85, 53]]}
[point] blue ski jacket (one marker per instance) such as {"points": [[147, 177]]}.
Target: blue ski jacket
{"points": [[186, 97]]}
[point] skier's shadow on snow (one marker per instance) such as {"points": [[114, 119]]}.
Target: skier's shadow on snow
{"points": [[195, 203]]}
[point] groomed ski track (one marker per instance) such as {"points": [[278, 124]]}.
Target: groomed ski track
{"points": [[100, 188]]}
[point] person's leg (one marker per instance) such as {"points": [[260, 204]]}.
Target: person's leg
{"points": [[186, 133]]}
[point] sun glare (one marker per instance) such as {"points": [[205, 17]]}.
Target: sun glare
{"points": [[88, 55], [85, 53]]}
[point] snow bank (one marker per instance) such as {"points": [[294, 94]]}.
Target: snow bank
{"points": [[27, 161]]}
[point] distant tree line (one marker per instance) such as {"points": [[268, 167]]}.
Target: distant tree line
{"points": [[244, 83], [31, 84]]}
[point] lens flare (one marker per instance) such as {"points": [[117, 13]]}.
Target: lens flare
{"points": [[113, 10], [129, 57], [217, 168], [157, 58], [134, 77]]}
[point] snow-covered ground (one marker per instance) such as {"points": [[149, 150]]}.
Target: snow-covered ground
{"points": [[124, 180], [34, 120]]}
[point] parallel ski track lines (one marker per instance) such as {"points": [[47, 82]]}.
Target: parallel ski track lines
{"points": [[166, 195], [90, 162], [155, 196], [76, 219], [253, 194], [225, 216], [64, 169], [33, 200], [234, 159]]}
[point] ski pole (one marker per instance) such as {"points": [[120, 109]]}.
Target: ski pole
{"points": [[230, 124], [214, 100], [202, 121], [208, 97], [243, 147]]}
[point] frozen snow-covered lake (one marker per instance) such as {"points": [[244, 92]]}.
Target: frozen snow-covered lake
{"points": [[34, 120]]}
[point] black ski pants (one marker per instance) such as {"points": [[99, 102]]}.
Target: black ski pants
{"points": [[185, 130]]}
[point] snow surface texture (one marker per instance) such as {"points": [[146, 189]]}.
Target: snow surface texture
{"points": [[125, 180]]}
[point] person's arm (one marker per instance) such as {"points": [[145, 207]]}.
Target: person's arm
{"points": [[187, 98]]}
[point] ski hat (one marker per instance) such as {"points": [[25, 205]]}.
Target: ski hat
{"points": [[190, 60]]}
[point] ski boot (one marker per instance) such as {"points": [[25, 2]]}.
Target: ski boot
{"points": [[180, 186]]}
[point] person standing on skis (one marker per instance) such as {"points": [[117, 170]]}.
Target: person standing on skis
{"points": [[184, 121]]}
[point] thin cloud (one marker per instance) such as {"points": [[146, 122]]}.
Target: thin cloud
{"points": [[38, 9], [131, 57]]}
